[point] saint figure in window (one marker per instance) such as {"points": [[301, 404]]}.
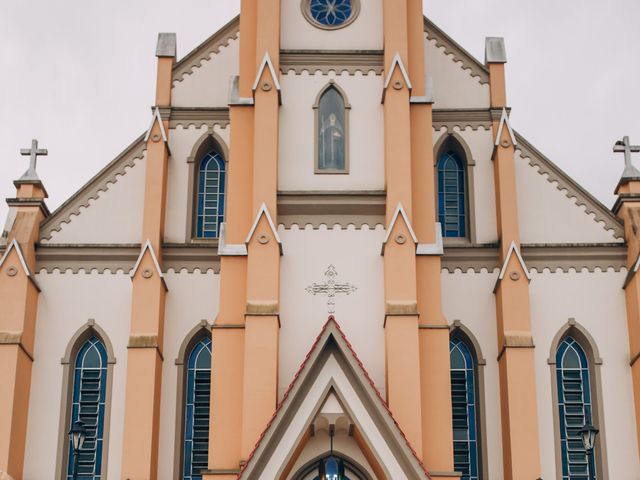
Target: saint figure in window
{"points": [[331, 132]]}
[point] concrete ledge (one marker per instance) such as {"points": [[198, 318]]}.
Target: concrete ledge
{"points": [[263, 308]]}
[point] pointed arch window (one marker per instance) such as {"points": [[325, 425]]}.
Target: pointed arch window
{"points": [[88, 405], [197, 403], [464, 402], [575, 408], [210, 196], [452, 201], [332, 131]]}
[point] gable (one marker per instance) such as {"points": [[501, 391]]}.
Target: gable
{"points": [[553, 208], [201, 79], [106, 210]]}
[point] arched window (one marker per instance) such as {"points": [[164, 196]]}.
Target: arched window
{"points": [[452, 202], [464, 402], [211, 195], [88, 406], [575, 409], [197, 404], [332, 131]]}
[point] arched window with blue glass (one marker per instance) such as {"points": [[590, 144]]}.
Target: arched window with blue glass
{"points": [[210, 195], [575, 409], [197, 403], [332, 130], [465, 407], [88, 404]]}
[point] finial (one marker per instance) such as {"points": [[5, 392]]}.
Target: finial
{"points": [[33, 153], [167, 45], [494, 50], [624, 146]]}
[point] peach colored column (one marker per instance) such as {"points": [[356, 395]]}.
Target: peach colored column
{"points": [[144, 357], [228, 335], [520, 437], [263, 264], [628, 210], [402, 345], [19, 300], [437, 427]]}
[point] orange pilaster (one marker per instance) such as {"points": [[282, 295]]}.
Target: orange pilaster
{"points": [[19, 300], [520, 437], [144, 357]]}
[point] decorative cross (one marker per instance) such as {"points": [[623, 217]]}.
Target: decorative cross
{"points": [[624, 146], [33, 153], [331, 288]]}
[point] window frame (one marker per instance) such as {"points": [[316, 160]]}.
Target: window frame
{"points": [[347, 144], [305, 6], [90, 329], [452, 141]]}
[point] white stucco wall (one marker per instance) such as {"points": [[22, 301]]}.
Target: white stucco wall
{"points": [[115, 216], [365, 33], [65, 305], [480, 143], [356, 256], [192, 297], [453, 85], [596, 301], [182, 141], [547, 215], [478, 314], [297, 133], [208, 84]]}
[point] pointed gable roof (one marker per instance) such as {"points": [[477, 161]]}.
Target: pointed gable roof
{"points": [[396, 62], [332, 343], [15, 246], [156, 118], [264, 211], [504, 121]]}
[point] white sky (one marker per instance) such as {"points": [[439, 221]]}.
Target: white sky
{"points": [[79, 75]]}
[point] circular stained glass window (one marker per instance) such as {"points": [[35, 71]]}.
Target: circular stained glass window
{"points": [[330, 14]]}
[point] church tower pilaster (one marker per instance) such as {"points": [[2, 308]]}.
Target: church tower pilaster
{"points": [[145, 357], [520, 439]]}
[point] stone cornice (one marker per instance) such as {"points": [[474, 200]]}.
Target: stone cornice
{"points": [[325, 61], [462, 118], [185, 117]]}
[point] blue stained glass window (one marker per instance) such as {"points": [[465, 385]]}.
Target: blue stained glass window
{"points": [[88, 405], [331, 131], [452, 210], [196, 411], [575, 409], [465, 410], [331, 13], [211, 195]]}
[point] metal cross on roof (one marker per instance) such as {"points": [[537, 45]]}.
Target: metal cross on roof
{"points": [[624, 146], [33, 153], [331, 288]]}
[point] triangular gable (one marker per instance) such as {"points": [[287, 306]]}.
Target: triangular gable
{"points": [[514, 250], [156, 118], [264, 211], [332, 365], [504, 121], [397, 63], [266, 64], [91, 190], [399, 213], [569, 187], [15, 246]]}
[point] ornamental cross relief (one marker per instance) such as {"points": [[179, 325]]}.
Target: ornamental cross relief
{"points": [[331, 288]]}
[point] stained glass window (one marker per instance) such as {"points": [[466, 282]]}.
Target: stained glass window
{"points": [[88, 406], [575, 409], [196, 411], [331, 13], [211, 195], [331, 132], [451, 195], [465, 410]]}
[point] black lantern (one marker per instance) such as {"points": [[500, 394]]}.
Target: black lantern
{"points": [[331, 467], [77, 436], [588, 434]]}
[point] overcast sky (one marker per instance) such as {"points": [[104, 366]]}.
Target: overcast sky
{"points": [[79, 75]]}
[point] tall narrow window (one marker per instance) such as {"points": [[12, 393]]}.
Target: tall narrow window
{"points": [[465, 409], [196, 411], [88, 406], [332, 132], [575, 410], [210, 197], [452, 209]]}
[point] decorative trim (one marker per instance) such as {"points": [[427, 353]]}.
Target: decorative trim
{"points": [[399, 212], [475, 68], [462, 118], [513, 248], [393, 309], [396, 63], [432, 249], [147, 247], [264, 211], [156, 117], [29, 202], [516, 340], [199, 117], [266, 64], [15, 338], [230, 250], [263, 308], [14, 245], [504, 120], [355, 11], [203, 52], [92, 189], [569, 187], [338, 61]]}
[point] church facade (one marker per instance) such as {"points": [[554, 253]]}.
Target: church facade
{"points": [[331, 256]]}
